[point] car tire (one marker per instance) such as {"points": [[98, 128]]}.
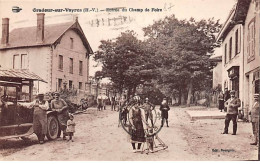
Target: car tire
{"points": [[52, 127]]}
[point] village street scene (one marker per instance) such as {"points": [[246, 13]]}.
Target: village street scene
{"points": [[130, 80]]}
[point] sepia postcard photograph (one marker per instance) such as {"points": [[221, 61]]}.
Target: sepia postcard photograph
{"points": [[129, 80]]}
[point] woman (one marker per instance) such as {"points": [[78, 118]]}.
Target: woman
{"points": [[136, 129], [59, 105], [164, 108], [221, 101]]}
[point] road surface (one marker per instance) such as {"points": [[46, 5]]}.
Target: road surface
{"points": [[98, 137]]}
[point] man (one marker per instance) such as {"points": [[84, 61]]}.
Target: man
{"points": [[148, 107], [164, 108], [232, 105], [39, 116], [226, 97], [61, 107], [113, 103], [99, 102], [254, 112]]}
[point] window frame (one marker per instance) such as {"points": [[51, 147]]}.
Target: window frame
{"points": [[251, 39], [26, 65], [16, 55], [60, 63], [71, 65], [80, 67]]}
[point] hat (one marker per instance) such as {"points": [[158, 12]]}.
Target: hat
{"points": [[146, 98], [256, 95], [56, 93], [232, 92], [40, 94]]}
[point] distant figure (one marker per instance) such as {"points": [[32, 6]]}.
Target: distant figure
{"points": [[113, 103], [254, 112], [164, 108], [148, 107], [60, 106], [99, 102], [207, 97], [104, 101], [71, 127], [221, 101], [232, 111], [226, 97]]}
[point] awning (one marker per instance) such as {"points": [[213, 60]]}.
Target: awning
{"points": [[19, 74]]}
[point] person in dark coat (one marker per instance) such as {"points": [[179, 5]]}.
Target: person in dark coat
{"points": [[226, 97], [232, 111], [164, 108], [221, 101]]}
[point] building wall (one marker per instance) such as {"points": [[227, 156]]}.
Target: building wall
{"points": [[78, 53], [37, 61], [236, 60], [251, 65]]}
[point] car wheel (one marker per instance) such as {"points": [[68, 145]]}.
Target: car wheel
{"points": [[52, 127]]}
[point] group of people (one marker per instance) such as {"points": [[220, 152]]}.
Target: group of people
{"points": [[41, 105], [231, 105], [139, 126]]}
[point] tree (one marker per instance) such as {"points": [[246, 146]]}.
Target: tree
{"points": [[125, 61], [181, 48]]}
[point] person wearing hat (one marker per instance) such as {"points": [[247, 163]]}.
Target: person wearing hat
{"points": [[232, 105], [148, 107], [226, 97], [164, 108], [60, 106], [40, 107], [254, 112]]}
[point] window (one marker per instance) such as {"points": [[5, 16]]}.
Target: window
{"points": [[230, 48], [71, 43], [71, 65], [60, 62], [80, 85], [251, 40], [225, 58], [24, 61], [236, 42], [59, 83], [80, 67], [70, 84], [16, 62]]}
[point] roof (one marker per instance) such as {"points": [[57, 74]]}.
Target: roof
{"points": [[19, 74], [236, 16], [26, 36]]}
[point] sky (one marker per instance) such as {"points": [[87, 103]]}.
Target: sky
{"points": [[98, 24]]}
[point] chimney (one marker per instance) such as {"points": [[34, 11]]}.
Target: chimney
{"points": [[5, 31], [40, 28]]}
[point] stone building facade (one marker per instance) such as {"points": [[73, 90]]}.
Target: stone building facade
{"points": [[58, 53]]}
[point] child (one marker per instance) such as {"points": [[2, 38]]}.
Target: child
{"points": [[71, 127]]}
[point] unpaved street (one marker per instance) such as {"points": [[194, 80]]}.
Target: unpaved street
{"points": [[98, 137]]}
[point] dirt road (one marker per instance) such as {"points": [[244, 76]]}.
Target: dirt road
{"points": [[98, 137]]}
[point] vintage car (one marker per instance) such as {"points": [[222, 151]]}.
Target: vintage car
{"points": [[17, 121]]}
